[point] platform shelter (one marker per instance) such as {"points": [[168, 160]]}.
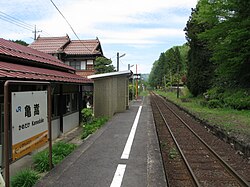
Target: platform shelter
{"points": [[111, 93]]}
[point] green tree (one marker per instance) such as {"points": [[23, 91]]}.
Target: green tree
{"points": [[165, 69], [103, 65], [200, 69], [20, 42], [154, 78], [229, 40]]}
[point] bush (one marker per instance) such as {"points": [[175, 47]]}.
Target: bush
{"points": [[214, 103], [236, 99], [41, 161], [215, 93], [25, 178], [91, 127], [87, 115], [59, 151]]}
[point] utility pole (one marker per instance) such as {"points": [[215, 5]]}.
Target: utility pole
{"points": [[36, 32], [178, 85], [118, 57], [117, 67], [136, 87]]}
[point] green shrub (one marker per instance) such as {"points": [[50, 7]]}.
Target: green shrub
{"points": [[203, 103], [238, 100], [59, 151], [91, 127], [214, 103], [87, 115], [41, 161], [215, 93], [25, 178], [232, 98], [63, 148]]}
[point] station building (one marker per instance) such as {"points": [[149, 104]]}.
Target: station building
{"points": [[22, 63], [80, 54]]}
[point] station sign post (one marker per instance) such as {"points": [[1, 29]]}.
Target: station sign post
{"points": [[29, 122], [30, 117]]}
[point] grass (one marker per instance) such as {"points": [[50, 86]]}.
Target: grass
{"points": [[28, 177], [232, 121], [59, 151], [25, 178], [173, 153]]}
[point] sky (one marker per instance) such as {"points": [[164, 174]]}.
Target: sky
{"points": [[140, 29]]}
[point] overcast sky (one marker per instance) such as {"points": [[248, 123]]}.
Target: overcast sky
{"points": [[140, 28]]}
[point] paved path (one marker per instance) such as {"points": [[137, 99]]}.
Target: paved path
{"points": [[103, 161]]}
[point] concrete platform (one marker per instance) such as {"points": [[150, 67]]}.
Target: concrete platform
{"points": [[99, 161]]}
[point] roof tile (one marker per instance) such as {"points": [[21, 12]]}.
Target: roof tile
{"points": [[50, 45], [22, 52], [82, 47], [10, 70]]}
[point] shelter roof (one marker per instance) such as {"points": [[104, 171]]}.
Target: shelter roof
{"points": [[18, 71], [127, 73]]}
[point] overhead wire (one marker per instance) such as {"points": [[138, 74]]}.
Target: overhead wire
{"points": [[70, 26], [15, 21], [18, 22]]}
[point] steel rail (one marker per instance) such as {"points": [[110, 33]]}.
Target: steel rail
{"points": [[228, 167], [178, 146]]}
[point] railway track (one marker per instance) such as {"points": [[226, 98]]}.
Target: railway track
{"points": [[188, 160]]}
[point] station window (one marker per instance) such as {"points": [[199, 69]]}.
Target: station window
{"points": [[55, 105], [68, 104], [71, 102], [75, 64]]}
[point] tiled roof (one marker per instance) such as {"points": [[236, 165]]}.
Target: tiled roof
{"points": [[11, 49], [53, 45], [17, 71], [82, 47], [50, 45]]}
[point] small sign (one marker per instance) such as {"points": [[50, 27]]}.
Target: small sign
{"points": [[29, 122]]}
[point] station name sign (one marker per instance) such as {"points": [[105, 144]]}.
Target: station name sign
{"points": [[29, 122]]}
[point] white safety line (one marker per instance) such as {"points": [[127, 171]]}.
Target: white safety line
{"points": [[117, 180], [126, 151]]}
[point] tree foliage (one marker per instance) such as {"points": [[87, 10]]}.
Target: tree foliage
{"points": [[218, 37], [170, 66], [20, 42], [200, 69], [103, 65], [228, 39]]}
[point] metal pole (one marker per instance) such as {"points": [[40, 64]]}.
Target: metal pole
{"points": [[178, 91], [117, 68], [136, 87], [6, 124], [6, 135], [49, 127]]}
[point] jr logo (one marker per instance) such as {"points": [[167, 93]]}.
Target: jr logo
{"points": [[18, 109]]}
